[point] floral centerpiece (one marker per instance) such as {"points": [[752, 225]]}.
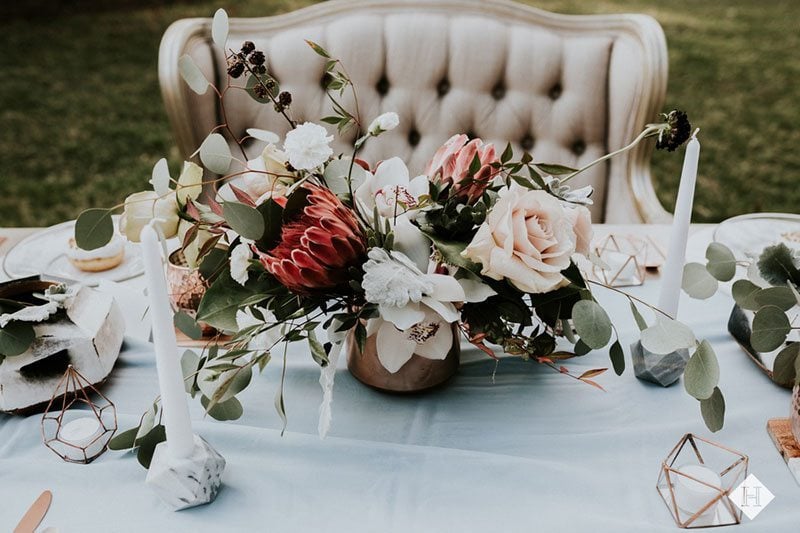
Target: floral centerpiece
{"points": [[479, 247]]}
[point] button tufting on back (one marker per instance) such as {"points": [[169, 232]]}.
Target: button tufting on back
{"points": [[499, 90], [443, 87], [413, 137], [471, 135], [527, 142], [555, 91], [382, 86], [578, 147]]}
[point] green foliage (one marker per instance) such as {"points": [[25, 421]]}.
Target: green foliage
{"points": [[221, 301], [666, 336], [16, 338], [702, 372], [230, 409], [776, 265], [617, 357], [744, 292], [216, 154], [784, 369], [244, 220], [93, 228], [698, 282], [592, 324], [713, 410], [721, 262], [187, 325], [770, 329]]}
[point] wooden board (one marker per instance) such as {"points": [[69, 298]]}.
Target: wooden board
{"points": [[780, 430]]}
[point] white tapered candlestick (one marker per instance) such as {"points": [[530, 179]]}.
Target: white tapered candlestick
{"points": [[672, 273], [180, 439]]}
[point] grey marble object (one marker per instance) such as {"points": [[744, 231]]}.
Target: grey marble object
{"points": [[189, 482], [663, 369]]}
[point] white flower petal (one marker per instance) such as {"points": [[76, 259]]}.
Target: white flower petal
{"points": [[475, 291], [447, 310], [394, 347], [445, 288], [439, 345], [402, 317], [409, 240]]}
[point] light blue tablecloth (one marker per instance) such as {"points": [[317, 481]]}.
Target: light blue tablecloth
{"points": [[530, 451]]}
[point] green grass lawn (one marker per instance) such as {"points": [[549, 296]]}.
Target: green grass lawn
{"points": [[83, 121]]}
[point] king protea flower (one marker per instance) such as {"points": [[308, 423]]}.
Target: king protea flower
{"points": [[450, 165], [318, 245]]}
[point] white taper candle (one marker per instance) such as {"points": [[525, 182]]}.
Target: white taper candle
{"points": [[672, 272], [180, 439]]}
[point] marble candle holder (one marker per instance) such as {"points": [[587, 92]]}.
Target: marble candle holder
{"points": [[187, 482], [662, 369]]}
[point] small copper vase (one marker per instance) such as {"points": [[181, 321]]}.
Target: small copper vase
{"points": [[186, 287], [795, 416], [417, 375]]}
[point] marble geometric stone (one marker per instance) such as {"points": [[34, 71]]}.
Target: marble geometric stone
{"points": [[87, 334], [662, 369], [189, 482]]}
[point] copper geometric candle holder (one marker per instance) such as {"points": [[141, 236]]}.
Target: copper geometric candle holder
{"points": [[626, 257], [78, 435], [686, 486]]}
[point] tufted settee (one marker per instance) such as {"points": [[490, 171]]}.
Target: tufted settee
{"points": [[566, 88]]}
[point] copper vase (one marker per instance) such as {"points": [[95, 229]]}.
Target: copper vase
{"points": [[186, 287], [417, 375]]}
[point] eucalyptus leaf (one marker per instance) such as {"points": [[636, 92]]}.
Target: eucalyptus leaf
{"points": [[451, 253], [698, 282], [744, 292], [221, 387], [160, 177], [641, 323], [219, 28], [124, 440], [770, 329], [721, 262], [263, 135], [221, 301], [666, 336], [713, 410], [16, 338], [216, 154], [94, 228], [187, 325], [336, 177], [190, 362], [147, 424], [192, 74], [617, 356], [702, 372], [592, 323], [230, 409], [317, 349], [776, 265], [212, 263], [245, 220], [781, 297], [795, 292], [280, 407], [147, 445], [784, 370]]}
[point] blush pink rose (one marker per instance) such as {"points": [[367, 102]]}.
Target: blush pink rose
{"points": [[450, 165], [528, 239]]}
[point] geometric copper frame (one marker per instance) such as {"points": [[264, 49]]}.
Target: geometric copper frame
{"points": [[637, 259], [74, 388], [730, 465]]}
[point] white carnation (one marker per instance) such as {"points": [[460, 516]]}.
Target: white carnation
{"points": [[240, 260], [385, 122], [393, 280], [307, 146]]}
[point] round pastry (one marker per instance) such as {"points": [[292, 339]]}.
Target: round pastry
{"points": [[97, 260]]}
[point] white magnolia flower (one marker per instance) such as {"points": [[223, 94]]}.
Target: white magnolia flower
{"points": [[190, 182], [240, 260], [308, 146], [391, 190], [430, 337], [385, 122], [266, 339]]}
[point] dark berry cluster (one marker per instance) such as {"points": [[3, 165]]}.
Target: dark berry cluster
{"points": [[248, 53], [676, 133], [284, 101]]}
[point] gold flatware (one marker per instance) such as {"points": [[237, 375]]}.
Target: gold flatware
{"points": [[35, 514]]}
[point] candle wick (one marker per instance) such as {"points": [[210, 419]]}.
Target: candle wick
{"points": [[694, 135]]}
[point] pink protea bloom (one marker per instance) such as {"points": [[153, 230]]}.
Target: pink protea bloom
{"points": [[450, 165], [318, 245]]}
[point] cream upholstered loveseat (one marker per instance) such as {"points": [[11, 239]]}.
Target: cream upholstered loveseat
{"points": [[566, 88]]}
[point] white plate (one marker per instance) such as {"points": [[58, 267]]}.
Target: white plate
{"points": [[44, 253], [750, 234]]}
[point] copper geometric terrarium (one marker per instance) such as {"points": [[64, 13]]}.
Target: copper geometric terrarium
{"points": [[696, 479], [626, 257], [74, 426]]}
